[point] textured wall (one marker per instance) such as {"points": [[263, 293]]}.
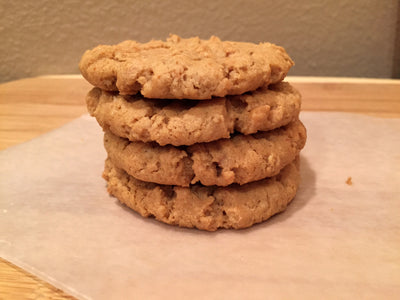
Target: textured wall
{"points": [[325, 37]]}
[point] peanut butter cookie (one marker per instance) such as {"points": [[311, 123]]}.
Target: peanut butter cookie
{"points": [[240, 159], [206, 208], [185, 68], [179, 122]]}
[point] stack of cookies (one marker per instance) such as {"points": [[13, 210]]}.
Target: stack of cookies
{"points": [[199, 133]]}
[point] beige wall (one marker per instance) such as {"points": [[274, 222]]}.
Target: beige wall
{"points": [[324, 37]]}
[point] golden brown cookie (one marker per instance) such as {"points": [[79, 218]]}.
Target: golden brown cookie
{"points": [[206, 208], [241, 159], [188, 122], [185, 68]]}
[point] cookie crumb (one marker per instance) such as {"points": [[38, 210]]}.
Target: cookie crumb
{"points": [[349, 181]]}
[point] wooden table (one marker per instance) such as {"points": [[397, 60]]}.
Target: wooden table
{"points": [[31, 107]]}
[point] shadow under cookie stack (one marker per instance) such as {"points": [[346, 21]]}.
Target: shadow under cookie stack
{"points": [[199, 133]]}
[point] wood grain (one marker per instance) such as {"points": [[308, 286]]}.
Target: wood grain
{"points": [[15, 283], [31, 107]]}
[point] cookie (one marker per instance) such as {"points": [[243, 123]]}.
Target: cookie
{"points": [[185, 68], [188, 122], [240, 159], [206, 208]]}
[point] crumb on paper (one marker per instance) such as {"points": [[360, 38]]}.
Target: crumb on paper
{"points": [[349, 181]]}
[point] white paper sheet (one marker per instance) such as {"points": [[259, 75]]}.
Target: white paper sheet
{"points": [[336, 240]]}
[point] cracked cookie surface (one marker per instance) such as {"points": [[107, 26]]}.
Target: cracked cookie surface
{"points": [[206, 208], [240, 159], [188, 122], [185, 68]]}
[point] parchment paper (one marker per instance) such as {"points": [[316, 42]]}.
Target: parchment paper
{"points": [[334, 241]]}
